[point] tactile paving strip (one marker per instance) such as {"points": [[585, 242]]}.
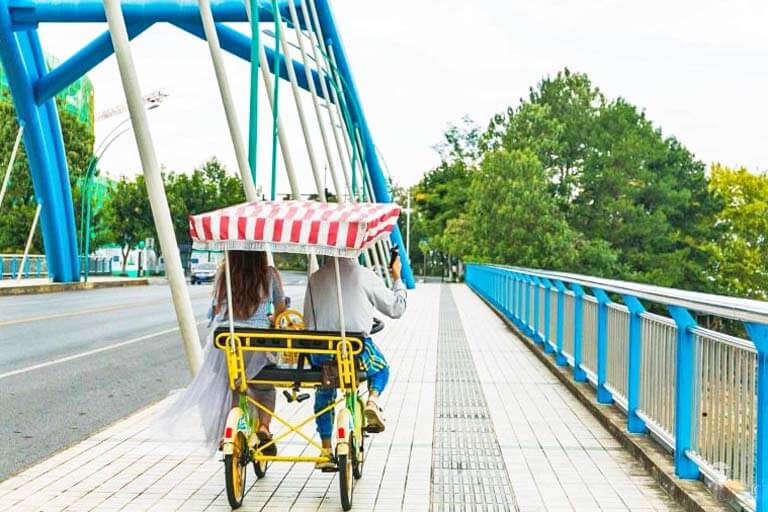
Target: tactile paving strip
{"points": [[468, 471]]}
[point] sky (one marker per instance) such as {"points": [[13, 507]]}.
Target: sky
{"points": [[697, 68]]}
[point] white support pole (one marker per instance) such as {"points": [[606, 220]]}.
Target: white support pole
{"points": [[284, 146], [370, 256], [29, 242], [382, 247], [384, 262], [316, 41], [377, 264], [230, 318], [315, 101], [8, 170], [154, 180], [367, 258], [299, 107], [209, 27], [336, 108], [342, 325], [337, 101]]}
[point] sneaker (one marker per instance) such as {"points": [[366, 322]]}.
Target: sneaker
{"points": [[326, 467], [264, 438], [374, 417]]}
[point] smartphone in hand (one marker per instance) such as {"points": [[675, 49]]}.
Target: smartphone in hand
{"points": [[394, 254]]}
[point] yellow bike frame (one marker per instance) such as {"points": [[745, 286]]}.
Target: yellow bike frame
{"points": [[344, 349]]}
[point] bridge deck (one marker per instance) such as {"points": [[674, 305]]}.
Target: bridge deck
{"points": [[475, 422]]}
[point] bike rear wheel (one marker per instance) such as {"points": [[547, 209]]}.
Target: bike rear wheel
{"points": [[235, 465], [346, 483]]}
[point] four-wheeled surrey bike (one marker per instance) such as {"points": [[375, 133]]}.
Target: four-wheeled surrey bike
{"points": [[336, 230]]}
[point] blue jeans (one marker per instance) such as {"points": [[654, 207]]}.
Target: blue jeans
{"points": [[377, 376]]}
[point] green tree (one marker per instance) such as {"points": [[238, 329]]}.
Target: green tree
{"points": [[207, 188], [646, 196], [512, 218], [556, 122], [19, 205], [444, 190], [128, 214], [416, 256], [620, 183], [740, 254]]}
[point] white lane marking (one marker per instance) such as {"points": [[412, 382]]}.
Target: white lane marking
{"points": [[8, 301], [81, 312], [90, 352]]}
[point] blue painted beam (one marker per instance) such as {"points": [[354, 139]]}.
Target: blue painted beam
{"points": [[79, 64], [239, 45], [579, 375], [603, 395], [380, 190], [560, 358], [537, 310], [22, 59], [635, 424], [759, 335], [685, 393], [548, 287], [26, 14]]}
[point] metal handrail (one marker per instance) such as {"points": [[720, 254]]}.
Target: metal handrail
{"points": [[701, 393], [746, 310]]}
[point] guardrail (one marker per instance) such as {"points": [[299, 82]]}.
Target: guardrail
{"points": [[700, 393], [36, 266]]}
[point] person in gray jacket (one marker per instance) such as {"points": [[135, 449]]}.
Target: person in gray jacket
{"points": [[362, 292]]}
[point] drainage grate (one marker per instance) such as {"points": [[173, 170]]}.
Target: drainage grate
{"points": [[468, 471]]}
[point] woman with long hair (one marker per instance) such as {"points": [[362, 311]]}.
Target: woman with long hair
{"points": [[200, 413]]}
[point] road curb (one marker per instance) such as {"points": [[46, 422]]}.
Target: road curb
{"points": [[67, 287], [693, 495]]}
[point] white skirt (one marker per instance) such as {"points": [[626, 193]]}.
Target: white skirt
{"points": [[200, 411]]}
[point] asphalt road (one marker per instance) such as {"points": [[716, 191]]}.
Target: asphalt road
{"points": [[72, 363]]}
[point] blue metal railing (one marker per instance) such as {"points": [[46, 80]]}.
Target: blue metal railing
{"points": [[36, 266], [701, 393]]}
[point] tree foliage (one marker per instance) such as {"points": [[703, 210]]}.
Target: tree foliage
{"points": [[572, 180], [19, 205], [740, 253], [207, 188], [522, 215], [128, 215], [443, 191]]}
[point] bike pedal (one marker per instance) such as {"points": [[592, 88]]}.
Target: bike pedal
{"points": [[302, 396], [288, 396]]}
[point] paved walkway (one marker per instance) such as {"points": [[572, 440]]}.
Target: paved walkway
{"points": [[476, 423]]}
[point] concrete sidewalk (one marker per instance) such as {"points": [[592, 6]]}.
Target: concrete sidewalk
{"points": [[458, 377], [33, 286]]}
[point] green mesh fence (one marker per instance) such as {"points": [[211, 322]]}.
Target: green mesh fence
{"points": [[77, 99]]}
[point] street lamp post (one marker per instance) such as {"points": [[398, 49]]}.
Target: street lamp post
{"points": [[87, 190]]}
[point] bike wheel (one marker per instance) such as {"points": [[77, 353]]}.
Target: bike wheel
{"points": [[235, 465], [358, 458], [346, 483], [260, 468]]}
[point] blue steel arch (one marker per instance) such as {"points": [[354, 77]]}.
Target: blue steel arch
{"points": [[33, 88], [22, 58]]}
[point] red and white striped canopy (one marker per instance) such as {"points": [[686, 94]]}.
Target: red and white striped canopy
{"points": [[332, 229]]}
